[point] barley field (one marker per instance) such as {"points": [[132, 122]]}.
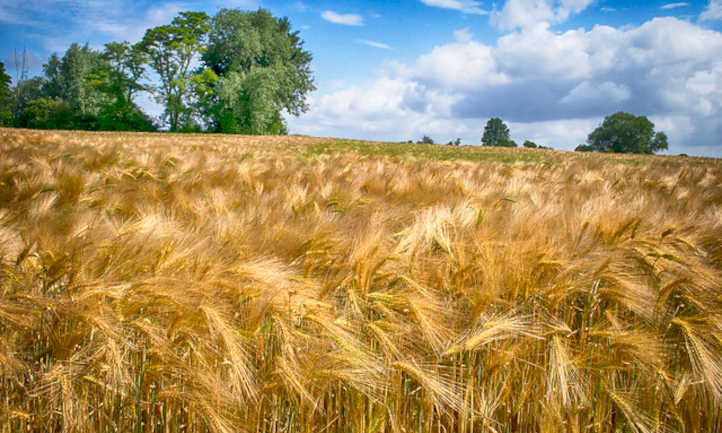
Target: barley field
{"points": [[199, 283]]}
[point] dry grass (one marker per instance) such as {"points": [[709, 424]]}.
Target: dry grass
{"points": [[166, 283]]}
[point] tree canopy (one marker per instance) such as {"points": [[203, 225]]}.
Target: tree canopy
{"points": [[496, 133], [625, 133], [261, 69], [67, 79]]}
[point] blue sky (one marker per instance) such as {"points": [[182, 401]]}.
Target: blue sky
{"points": [[552, 69]]}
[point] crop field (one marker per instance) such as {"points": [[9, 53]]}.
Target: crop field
{"points": [[201, 283]]}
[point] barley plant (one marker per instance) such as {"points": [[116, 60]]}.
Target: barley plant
{"points": [[197, 283]]}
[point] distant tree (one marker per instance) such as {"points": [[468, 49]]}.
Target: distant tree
{"points": [[625, 133], [456, 142], [426, 140], [261, 69], [171, 50], [6, 114], [496, 133], [583, 148], [530, 144]]}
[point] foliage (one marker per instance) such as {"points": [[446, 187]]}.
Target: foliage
{"points": [[124, 117], [496, 133], [625, 133], [456, 142], [171, 49], [426, 140], [239, 103], [122, 72], [24, 92], [67, 79], [584, 148], [530, 144], [119, 78], [6, 114], [47, 113], [187, 283], [262, 69], [84, 89]]}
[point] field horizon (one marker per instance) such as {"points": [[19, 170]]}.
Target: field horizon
{"points": [[158, 282]]}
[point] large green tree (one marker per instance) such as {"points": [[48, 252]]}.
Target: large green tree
{"points": [[67, 79], [120, 79], [125, 69], [261, 69], [625, 133], [171, 50], [496, 133]]}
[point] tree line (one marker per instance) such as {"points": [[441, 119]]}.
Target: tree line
{"points": [[235, 72], [619, 133]]}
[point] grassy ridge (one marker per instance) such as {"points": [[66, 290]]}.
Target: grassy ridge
{"points": [[174, 283]]}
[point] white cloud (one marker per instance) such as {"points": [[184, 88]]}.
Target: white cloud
{"points": [[674, 5], [713, 12], [466, 6], [345, 19], [463, 35], [459, 66], [374, 44], [528, 13], [553, 88]]}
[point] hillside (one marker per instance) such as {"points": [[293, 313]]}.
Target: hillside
{"points": [[178, 283]]}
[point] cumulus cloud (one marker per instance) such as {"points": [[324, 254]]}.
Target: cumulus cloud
{"points": [[527, 13], [344, 19], [713, 12], [551, 87], [466, 6], [459, 66]]}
